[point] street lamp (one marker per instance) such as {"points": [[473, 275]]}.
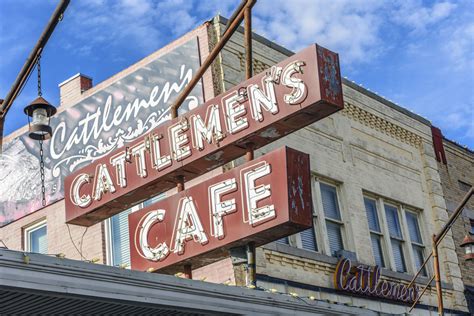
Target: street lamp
{"points": [[468, 245], [39, 113]]}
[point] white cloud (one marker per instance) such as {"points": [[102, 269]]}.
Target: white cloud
{"points": [[415, 15], [460, 47], [348, 27]]}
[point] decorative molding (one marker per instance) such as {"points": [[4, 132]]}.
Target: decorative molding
{"points": [[257, 65], [376, 122]]}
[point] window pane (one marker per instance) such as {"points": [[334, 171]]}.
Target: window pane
{"points": [[393, 221], [308, 239], [418, 253], [377, 250], [283, 240], [372, 217], [334, 236], [413, 228], [154, 199], [38, 240], [329, 199], [120, 238], [398, 255]]}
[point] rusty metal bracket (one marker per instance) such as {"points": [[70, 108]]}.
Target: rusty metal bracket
{"points": [[232, 27]]}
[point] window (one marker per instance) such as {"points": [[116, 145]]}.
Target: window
{"points": [[327, 222], [376, 235], [472, 226], [308, 239], [118, 236], [416, 241], [332, 215], [36, 238], [396, 237]]}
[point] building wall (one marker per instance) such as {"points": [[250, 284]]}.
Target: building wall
{"points": [[459, 167], [369, 147]]}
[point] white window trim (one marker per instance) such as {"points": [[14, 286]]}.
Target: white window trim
{"points": [[381, 233], [407, 243], [29, 229], [422, 236], [108, 237], [410, 258], [320, 218]]}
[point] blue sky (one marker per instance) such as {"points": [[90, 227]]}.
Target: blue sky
{"points": [[419, 54]]}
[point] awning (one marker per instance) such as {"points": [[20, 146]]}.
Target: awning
{"points": [[40, 284]]}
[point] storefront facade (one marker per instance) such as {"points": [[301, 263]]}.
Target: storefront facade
{"points": [[456, 168], [376, 187]]}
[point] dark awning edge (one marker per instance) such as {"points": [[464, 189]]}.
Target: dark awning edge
{"points": [[54, 282]]}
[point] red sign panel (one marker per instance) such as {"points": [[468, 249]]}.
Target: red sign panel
{"points": [[300, 90], [262, 200]]}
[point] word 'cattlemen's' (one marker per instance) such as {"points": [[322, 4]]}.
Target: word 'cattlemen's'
{"points": [[365, 280], [300, 90]]}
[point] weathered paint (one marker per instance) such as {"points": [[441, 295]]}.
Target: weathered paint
{"points": [[284, 210], [300, 90]]}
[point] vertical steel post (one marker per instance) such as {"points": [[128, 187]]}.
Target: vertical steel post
{"points": [[250, 248], [248, 41], [251, 265], [2, 121], [188, 271], [439, 290]]}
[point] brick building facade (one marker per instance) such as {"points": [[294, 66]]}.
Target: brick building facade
{"points": [[371, 161], [457, 176]]}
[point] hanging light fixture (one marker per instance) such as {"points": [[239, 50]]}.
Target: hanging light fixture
{"points": [[39, 113], [468, 245]]}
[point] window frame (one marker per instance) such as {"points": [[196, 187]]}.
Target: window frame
{"points": [[109, 251], [386, 263], [406, 240], [319, 217], [27, 230], [413, 243]]}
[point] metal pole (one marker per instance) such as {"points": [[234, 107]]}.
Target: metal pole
{"points": [[249, 155], [453, 217], [419, 296], [251, 265], [30, 63], [210, 58], [439, 290], [2, 121], [248, 42], [439, 237], [31, 60], [188, 271]]}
